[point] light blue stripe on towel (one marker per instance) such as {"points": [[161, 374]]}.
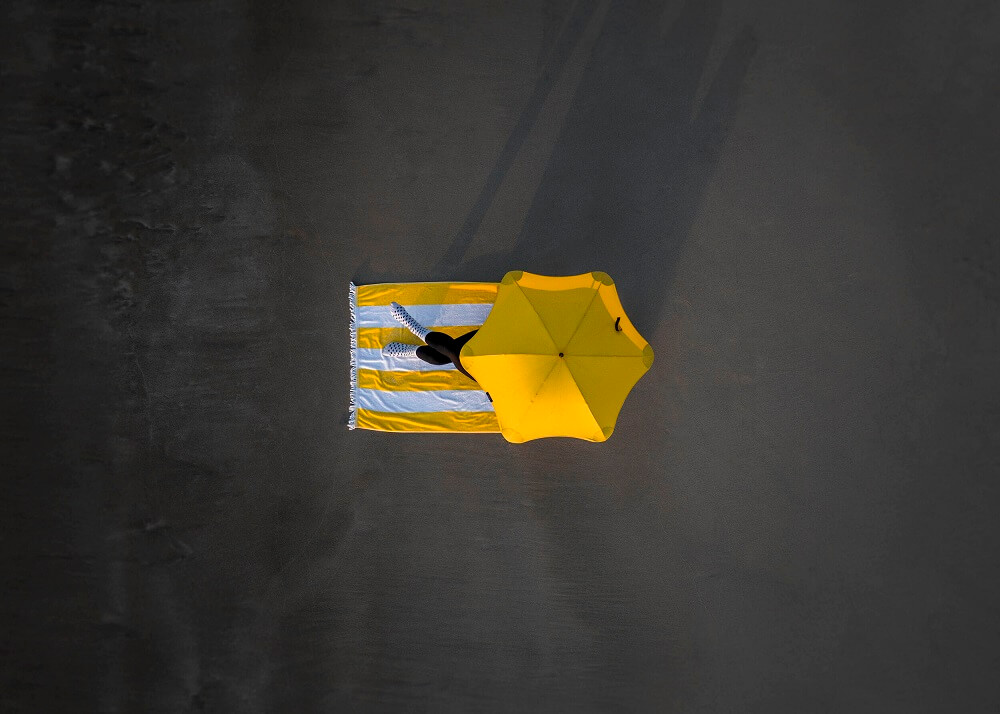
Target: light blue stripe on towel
{"points": [[427, 315], [372, 358], [445, 400]]}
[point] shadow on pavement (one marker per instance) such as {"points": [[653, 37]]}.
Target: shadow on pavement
{"points": [[632, 162]]}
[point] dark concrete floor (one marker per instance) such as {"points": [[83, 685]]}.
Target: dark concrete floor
{"points": [[797, 512]]}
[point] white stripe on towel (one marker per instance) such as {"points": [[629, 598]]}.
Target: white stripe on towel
{"points": [[372, 358], [444, 400], [457, 315]]}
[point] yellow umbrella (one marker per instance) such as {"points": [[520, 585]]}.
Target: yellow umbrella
{"points": [[557, 356]]}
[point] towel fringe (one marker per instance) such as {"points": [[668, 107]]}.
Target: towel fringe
{"points": [[352, 419]]}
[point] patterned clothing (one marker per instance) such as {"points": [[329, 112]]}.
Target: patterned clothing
{"points": [[407, 321], [440, 348], [399, 349]]}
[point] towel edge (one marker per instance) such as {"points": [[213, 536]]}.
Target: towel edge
{"points": [[352, 418]]}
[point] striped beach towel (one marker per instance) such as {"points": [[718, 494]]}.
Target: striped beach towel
{"points": [[407, 394]]}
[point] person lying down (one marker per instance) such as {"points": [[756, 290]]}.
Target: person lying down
{"points": [[438, 348]]}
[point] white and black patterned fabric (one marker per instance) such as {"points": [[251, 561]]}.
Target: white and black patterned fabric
{"points": [[407, 321], [399, 349]]}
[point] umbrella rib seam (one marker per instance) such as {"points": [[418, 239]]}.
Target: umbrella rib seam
{"points": [[542, 384], [589, 409], [583, 316], [541, 321], [575, 330]]}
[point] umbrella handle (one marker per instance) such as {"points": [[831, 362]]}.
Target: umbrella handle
{"points": [[618, 329]]}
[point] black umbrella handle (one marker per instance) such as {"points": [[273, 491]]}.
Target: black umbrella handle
{"points": [[618, 329]]}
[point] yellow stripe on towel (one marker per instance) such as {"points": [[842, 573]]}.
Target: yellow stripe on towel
{"points": [[427, 293], [428, 421], [392, 388], [431, 380]]}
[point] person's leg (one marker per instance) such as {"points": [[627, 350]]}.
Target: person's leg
{"points": [[445, 344], [431, 355], [438, 342], [423, 352], [400, 349], [404, 318]]}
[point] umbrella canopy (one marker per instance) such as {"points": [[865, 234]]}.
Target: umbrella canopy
{"points": [[557, 355]]}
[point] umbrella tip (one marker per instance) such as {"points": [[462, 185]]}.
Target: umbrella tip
{"points": [[602, 277]]}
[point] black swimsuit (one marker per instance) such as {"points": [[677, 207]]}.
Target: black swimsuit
{"points": [[444, 349]]}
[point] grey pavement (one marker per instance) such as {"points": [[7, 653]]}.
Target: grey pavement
{"points": [[798, 509]]}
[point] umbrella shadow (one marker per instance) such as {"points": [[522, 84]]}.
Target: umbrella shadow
{"points": [[629, 169]]}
